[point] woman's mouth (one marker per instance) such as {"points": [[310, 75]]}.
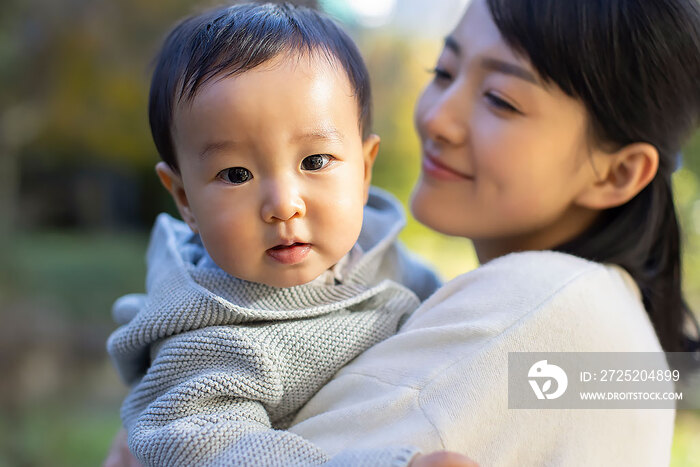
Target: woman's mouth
{"points": [[433, 168], [289, 254]]}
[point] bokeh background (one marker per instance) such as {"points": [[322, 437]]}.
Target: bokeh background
{"points": [[78, 195]]}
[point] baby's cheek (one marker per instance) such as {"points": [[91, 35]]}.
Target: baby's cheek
{"points": [[346, 218], [341, 199], [341, 227], [230, 238]]}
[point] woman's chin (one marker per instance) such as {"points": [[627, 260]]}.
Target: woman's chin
{"points": [[433, 213]]}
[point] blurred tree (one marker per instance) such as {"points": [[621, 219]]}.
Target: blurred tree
{"points": [[74, 85]]}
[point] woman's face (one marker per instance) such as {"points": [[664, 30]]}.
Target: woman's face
{"points": [[505, 155]]}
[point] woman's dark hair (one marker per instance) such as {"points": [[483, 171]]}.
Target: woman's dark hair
{"points": [[635, 65], [232, 40]]}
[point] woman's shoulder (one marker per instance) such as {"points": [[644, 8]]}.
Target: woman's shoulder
{"points": [[530, 273], [535, 269], [513, 285], [533, 277], [558, 297]]}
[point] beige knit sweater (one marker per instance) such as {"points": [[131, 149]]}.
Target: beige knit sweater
{"points": [[442, 381]]}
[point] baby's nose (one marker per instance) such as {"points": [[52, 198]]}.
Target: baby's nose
{"points": [[282, 202]]}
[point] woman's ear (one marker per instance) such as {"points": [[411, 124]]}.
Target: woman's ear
{"points": [[172, 181], [624, 174], [370, 149]]}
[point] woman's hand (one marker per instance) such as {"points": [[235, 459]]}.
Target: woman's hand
{"points": [[442, 459], [119, 454]]}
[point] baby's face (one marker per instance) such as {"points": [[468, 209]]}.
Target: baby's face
{"points": [[274, 172]]}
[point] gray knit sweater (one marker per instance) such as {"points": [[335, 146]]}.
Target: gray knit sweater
{"points": [[219, 366]]}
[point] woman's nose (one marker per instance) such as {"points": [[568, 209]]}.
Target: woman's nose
{"points": [[282, 202], [445, 116]]}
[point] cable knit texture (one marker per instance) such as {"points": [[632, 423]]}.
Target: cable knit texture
{"points": [[219, 366]]}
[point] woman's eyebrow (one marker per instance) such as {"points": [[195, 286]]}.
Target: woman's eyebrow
{"points": [[512, 69], [493, 64], [453, 45]]}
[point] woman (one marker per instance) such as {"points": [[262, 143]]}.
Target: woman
{"points": [[549, 125], [549, 132]]}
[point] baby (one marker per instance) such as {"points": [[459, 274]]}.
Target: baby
{"points": [[286, 266]]}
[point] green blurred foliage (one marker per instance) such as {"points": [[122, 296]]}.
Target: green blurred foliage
{"points": [[685, 451], [686, 185], [51, 434], [82, 68], [80, 275]]}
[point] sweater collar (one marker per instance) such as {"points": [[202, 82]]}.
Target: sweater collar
{"points": [[175, 256]]}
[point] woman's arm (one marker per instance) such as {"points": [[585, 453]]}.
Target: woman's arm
{"points": [[120, 456]]}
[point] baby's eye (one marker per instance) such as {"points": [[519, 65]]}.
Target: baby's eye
{"points": [[316, 162], [235, 175]]}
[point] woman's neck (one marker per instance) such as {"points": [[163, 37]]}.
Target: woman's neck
{"points": [[567, 227]]}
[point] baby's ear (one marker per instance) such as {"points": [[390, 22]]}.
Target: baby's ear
{"points": [[370, 149], [620, 176], [172, 181]]}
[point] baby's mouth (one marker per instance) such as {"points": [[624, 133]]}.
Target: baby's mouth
{"points": [[282, 247], [290, 254]]}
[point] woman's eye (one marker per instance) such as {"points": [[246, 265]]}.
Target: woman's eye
{"points": [[315, 162], [499, 103], [441, 74], [235, 175]]}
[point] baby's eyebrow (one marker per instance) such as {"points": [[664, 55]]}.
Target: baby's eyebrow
{"points": [[317, 134], [217, 146], [323, 134]]}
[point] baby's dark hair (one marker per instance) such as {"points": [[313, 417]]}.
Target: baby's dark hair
{"points": [[232, 40], [635, 66]]}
